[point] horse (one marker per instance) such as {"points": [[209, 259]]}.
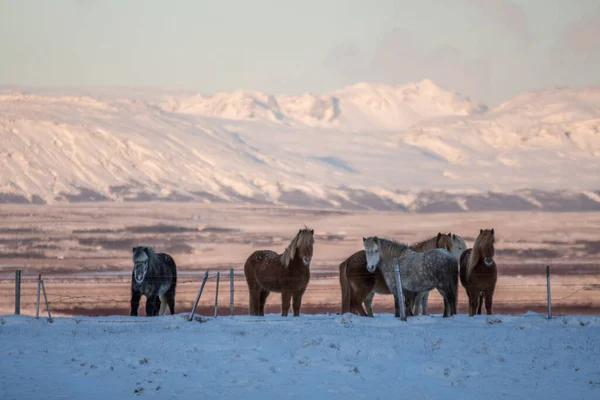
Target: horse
{"points": [[154, 275], [456, 249], [287, 273], [479, 272], [420, 272], [358, 285]]}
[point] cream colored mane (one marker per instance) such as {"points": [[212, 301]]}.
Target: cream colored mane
{"points": [[432, 243], [303, 239], [485, 238]]}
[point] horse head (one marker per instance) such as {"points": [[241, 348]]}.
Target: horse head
{"points": [[300, 248], [141, 262], [486, 238], [305, 244], [458, 246], [444, 241], [371, 246]]}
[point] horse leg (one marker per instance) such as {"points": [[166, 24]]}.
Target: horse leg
{"points": [[447, 301], [263, 299], [152, 306], [254, 301], [170, 298], [425, 303], [409, 302], [357, 308], [297, 302], [473, 302], [135, 302], [286, 298], [479, 303], [368, 304], [418, 303], [489, 295], [396, 306], [451, 300]]}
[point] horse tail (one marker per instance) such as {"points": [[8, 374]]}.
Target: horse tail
{"points": [[346, 289], [454, 284]]}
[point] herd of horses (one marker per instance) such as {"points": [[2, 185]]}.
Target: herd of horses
{"points": [[439, 262]]}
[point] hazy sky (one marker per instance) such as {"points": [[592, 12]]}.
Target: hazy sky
{"points": [[488, 49]]}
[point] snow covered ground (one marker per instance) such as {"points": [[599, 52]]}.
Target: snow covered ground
{"points": [[314, 356]]}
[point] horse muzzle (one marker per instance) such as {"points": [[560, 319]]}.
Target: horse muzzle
{"points": [[488, 261], [306, 261], [371, 268]]}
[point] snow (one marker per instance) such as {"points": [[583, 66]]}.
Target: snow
{"points": [[313, 356], [251, 145]]}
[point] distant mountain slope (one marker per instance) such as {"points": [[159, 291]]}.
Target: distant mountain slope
{"points": [[415, 147], [358, 107]]}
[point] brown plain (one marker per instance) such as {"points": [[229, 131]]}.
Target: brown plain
{"points": [[83, 251]]}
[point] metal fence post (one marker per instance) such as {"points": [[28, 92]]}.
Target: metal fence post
{"points": [[199, 294], [231, 291], [399, 293], [18, 292], [548, 289], [37, 301], [217, 293], [47, 305]]}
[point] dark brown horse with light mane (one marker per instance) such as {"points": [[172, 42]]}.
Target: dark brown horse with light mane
{"points": [[479, 273], [359, 285], [287, 273]]}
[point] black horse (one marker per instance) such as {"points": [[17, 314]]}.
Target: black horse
{"points": [[154, 276]]}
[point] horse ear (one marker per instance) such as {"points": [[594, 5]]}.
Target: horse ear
{"points": [[133, 251], [492, 231], [312, 231], [364, 239], [481, 231], [439, 235], [449, 234]]}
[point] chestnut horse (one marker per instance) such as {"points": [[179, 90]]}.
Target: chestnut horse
{"points": [[287, 273], [479, 273], [359, 285]]}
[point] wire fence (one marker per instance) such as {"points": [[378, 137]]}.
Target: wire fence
{"points": [[104, 296]]}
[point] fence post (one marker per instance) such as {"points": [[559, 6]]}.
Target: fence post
{"points": [[46, 299], [199, 294], [548, 288], [399, 293], [217, 293], [37, 301], [18, 292], [231, 291]]}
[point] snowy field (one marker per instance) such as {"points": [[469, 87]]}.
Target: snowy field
{"points": [[314, 356]]}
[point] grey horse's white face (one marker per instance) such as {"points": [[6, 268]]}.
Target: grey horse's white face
{"points": [[458, 246], [371, 246], [140, 264]]}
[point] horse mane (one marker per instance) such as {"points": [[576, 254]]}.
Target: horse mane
{"points": [[152, 259], [432, 243], [391, 248], [304, 239], [485, 239]]}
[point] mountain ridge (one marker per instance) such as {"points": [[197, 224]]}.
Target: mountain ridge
{"points": [[413, 147]]}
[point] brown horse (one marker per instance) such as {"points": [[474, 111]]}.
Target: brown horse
{"points": [[359, 285], [479, 273], [287, 273]]}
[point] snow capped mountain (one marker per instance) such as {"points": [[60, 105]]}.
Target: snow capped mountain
{"points": [[358, 107], [414, 147]]}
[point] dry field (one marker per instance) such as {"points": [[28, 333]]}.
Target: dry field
{"points": [[83, 252]]}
